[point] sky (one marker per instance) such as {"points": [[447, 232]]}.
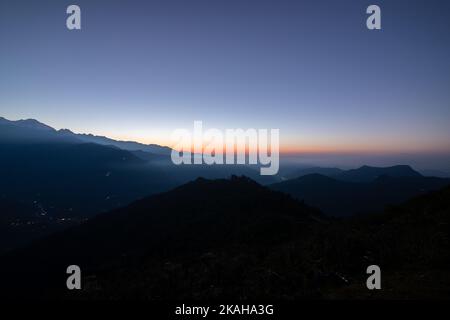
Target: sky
{"points": [[137, 70]]}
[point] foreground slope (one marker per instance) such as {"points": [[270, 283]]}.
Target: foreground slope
{"points": [[189, 221], [238, 240]]}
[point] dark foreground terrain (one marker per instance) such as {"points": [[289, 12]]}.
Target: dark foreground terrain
{"points": [[217, 239]]}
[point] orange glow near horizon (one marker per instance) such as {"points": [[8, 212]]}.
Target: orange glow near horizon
{"points": [[319, 148]]}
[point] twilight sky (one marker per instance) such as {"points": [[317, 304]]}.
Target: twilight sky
{"points": [[140, 69]]}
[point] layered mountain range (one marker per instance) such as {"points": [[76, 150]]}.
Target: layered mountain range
{"points": [[53, 179]]}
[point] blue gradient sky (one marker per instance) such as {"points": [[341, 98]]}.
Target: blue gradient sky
{"points": [[140, 69]]}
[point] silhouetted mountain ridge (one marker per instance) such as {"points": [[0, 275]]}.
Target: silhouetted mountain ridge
{"points": [[31, 130], [351, 196], [329, 172], [124, 145], [362, 174], [367, 173]]}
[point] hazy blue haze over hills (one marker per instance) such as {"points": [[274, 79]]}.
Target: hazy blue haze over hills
{"points": [[70, 176], [74, 174]]}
